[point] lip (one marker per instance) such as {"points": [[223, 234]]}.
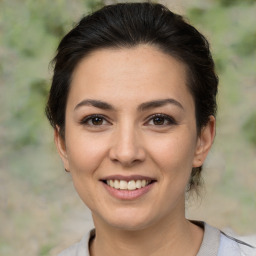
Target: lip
{"points": [[127, 194]]}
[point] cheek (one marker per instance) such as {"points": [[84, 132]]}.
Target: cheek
{"points": [[174, 153], [85, 153]]}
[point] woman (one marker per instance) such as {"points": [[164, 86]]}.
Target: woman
{"points": [[133, 104]]}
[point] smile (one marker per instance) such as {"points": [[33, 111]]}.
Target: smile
{"points": [[128, 185]]}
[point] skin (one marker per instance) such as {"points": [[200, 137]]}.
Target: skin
{"points": [[128, 140]]}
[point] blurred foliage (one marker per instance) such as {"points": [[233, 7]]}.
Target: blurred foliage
{"points": [[45, 249], [94, 5], [30, 114], [30, 31], [247, 44], [250, 128], [228, 3], [233, 39]]}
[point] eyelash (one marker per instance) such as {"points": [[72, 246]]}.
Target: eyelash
{"points": [[170, 120], [86, 120]]}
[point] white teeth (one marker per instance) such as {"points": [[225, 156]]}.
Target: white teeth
{"points": [[111, 183], [123, 184], [117, 184], [138, 184], [130, 185]]}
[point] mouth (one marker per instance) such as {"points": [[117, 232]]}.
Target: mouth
{"points": [[132, 184], [128, 187]]}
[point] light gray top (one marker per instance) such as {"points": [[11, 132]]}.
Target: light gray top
{"points": [[215, 243]]}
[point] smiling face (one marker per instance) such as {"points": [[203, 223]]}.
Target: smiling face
{"points": [[130, 136]]}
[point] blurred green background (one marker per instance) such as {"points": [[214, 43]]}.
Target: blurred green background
{"points": [[40, 212]]}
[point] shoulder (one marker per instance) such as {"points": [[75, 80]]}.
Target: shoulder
{"points": [[230, 245], [81, 248], [218, 243]]}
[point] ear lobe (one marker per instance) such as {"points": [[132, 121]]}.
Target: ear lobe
{"points": [[204, 143], [61, 147]]}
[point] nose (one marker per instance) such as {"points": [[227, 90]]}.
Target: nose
{"points": [[127, 148]]}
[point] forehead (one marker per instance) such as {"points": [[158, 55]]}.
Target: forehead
{"points": [[137, 74]]}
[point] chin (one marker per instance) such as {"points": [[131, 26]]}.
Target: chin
{"points": [[132, 225], [129, 220]]}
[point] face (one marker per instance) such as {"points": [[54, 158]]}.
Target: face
{"points": [[130, 136]]}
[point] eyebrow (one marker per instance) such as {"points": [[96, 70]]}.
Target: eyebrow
{"points": [[142, 107], [95, 103], [159, 103]]}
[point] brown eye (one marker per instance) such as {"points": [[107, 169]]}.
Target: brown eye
{"points": [[159, 120], [97, 121], [94, 120]]}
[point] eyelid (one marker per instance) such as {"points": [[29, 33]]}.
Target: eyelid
{"points": [[85, 119], [170, 119]]}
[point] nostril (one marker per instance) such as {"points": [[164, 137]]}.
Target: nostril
{"points": [[126, 152]]}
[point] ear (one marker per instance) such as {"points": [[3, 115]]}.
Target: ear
{"points": [[61, 147], [204, 142]]}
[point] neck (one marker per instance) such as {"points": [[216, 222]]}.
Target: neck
{"points": [[173, 236]]}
